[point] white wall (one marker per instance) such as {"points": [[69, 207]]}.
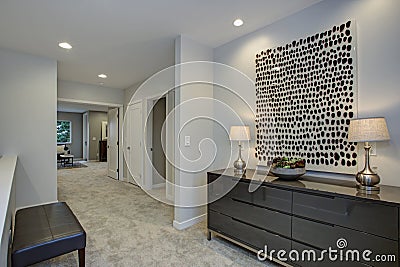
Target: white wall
{"points": [[378, 62], [28, 90], [128, 93], [89, 93], [192, 104]]}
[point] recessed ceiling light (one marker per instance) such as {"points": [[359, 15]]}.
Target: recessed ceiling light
{"points": [[103, 76], [238, 22], [65, 45], [101, 83]]}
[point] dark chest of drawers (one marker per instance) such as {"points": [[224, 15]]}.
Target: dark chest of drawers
{"points": [[103, 150], [256, 210]]}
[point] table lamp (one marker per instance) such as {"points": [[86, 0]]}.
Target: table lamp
{"points": [[239, 133], [368, 130]]}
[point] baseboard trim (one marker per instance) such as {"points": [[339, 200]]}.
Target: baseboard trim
{"points": [[34, 205], [185, 224]]}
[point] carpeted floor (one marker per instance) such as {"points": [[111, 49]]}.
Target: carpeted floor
{"points": [[126, 227], [77, 164]]}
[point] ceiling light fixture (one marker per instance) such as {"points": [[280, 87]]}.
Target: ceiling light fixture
{"points": [[103, 76], [65, 45], [238, 22]]}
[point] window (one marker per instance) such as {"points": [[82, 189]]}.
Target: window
{"points": [[64, 132]]}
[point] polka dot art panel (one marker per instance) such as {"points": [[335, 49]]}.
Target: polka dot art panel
{"points": [[306, 95]]}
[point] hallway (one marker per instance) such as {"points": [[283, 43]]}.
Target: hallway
{"points": [[125, 227]]}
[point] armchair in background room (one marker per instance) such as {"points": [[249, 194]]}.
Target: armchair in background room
{"points": [[61, 150]]}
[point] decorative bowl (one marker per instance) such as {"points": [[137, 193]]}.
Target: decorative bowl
{"points": [[288, 174]]}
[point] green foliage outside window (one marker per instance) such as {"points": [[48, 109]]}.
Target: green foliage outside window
{"points": [[63, 132]]}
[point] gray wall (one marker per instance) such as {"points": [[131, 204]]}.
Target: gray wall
{"points": [[378, 38], [91, 93], [77, 134], [95, 119], [28, 104]]}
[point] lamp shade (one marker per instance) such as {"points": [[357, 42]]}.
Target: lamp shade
{"points": [[368, 130], [239, 133]]}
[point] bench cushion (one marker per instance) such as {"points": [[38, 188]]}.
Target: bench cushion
{"points": [[44, 232]]}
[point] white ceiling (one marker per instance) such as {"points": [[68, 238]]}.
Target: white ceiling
{"points": [[129, 40]]}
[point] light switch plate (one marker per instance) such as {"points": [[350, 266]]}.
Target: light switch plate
{"points": [[187, 140]]}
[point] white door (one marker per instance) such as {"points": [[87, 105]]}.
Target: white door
{"points": [[112, 143], [127, 144], [85, 127], [134, 142]]}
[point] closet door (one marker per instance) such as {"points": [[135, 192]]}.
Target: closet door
{"points": [[134, 152]]}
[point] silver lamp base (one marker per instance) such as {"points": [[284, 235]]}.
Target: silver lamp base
{"points": [[367, 178], [368, 189], [239, 164]]}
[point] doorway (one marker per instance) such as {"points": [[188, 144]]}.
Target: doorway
{"points": [[85, 137], [158, 115], [113, 143], [91, 137], [159, 147]]}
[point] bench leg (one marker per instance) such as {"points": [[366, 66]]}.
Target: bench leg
{"points": [[81, 256]]}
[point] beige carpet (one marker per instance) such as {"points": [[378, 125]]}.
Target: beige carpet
{"points": [[126, 227]]}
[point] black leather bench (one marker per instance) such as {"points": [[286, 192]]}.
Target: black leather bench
{"points": [[44, 232]]}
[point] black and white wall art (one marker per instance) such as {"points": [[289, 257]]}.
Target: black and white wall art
{"points": [[306, 94]]}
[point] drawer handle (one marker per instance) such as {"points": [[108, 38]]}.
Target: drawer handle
{"points": [[236, 220], [345, 213], [315, 194], [241, 201], [276, 198]]}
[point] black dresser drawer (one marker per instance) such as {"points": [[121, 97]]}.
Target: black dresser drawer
{"points": [[324, 261], [361, 215], [261, 217], [246, 234], [241, 192], [324, 236], [264, 196], [222, 205], [273, 198], [219, 186]]}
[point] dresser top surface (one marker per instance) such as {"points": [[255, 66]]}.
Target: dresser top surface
{"points": [[389, 194]]}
